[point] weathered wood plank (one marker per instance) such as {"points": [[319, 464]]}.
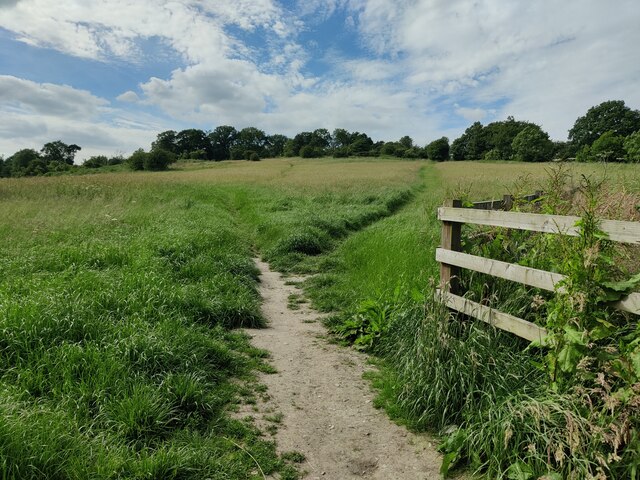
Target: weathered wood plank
{"points": [[629, 304], [518, 326], [618, 231], [509, 271], [451, 238]]}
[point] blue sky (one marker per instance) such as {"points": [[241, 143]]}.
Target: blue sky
{"points": [[110, 75]]}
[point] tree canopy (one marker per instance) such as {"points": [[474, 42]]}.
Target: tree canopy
{"points": [[611, 116]]}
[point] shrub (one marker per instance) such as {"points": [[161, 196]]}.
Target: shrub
{"points": [[236, 153], [608, 148], [158, 159], [308, 152], [115, 160], [137, 159], [532, 144], [632, 147], [438, 150], [96, 161]]}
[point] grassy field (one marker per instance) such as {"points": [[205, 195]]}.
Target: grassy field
{"points": [[120, 294]]}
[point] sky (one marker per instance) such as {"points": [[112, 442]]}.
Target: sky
{"points": [[109, 75]]}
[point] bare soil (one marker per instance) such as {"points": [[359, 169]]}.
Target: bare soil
{"points": [[322, 405]]}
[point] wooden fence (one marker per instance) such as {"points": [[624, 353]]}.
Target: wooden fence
{"points": [[496, 213]]}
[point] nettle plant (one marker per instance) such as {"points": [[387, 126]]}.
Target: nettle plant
{"points": [[589, 340]]}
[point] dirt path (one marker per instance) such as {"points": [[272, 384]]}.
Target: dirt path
{"points": [[326, 406]]}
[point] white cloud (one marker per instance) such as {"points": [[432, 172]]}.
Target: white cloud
{"points": [[47, 98], [128, 96], [547, 61], [32, 114], [542, 61]]}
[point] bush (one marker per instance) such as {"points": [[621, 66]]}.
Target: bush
{"points": [[532, 144], [115, 160], [236, 153], [251, 155], [309, 152], [438, 150], [137, 159], [609, 147], [632, 147], [158, 160], [96, 161]]}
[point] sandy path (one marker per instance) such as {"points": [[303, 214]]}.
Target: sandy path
{"points": [[326, 405]]}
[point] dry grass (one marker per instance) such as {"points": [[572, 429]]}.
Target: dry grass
{"points": [[484, 180]]}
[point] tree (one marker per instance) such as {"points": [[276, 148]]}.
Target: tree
{"points": [[632, 147], [157, 159], [251, 139], [406, 142], [96, 161], [360, 144], [59, 152], [166, 141], [532, 144], [612, 116], [341, 138], [471, 145], [438, 150], [222, 139], [18, 164], [276, 144], [137, 159], [609, 147], [499, 136], [192, 140]]}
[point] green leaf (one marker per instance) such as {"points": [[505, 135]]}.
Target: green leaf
{"points": [[623, 286], [519, 471], [574, 336], [634, 357], [448, 461], [568, 358]]}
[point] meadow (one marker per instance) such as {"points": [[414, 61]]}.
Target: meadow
{"points": [[121, 294]]}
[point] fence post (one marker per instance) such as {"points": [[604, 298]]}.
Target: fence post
{"points": [[507, 202], [450, 240]]}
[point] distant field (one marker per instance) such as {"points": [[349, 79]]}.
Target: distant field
{"points": [[120, 293]]}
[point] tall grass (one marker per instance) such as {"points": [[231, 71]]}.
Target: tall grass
{"points": [[117, 358]]}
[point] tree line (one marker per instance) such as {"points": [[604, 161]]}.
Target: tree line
{"points": [[607, 132]]}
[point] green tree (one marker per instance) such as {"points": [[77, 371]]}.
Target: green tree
{"points": [[96, 161], [166, 141], [632, 147], [406, 142], [18, 163], [340, 138], [612, 116], [251, 139], [471, 145], [360, 144], [192, 140], [499, 136], [222, 139], [59, 152], [137, 159], [157, 159], [609, 147], [438, 150], [276, 144], [532, 144]]}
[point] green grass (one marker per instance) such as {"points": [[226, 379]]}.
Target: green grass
{"points": [[120, 293]]}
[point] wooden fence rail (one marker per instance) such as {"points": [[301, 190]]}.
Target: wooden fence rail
{"points": [[489, 213]]}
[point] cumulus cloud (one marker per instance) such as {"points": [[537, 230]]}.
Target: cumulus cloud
{"points": [[547, 61], [47, 98], [32, 114], [429, 67]]}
